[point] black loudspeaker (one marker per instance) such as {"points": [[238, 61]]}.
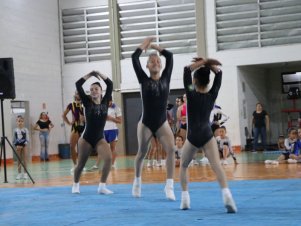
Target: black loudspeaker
{"points": [[7, 80]]}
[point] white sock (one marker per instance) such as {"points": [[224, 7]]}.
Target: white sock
{"points": [[169, 182], [228, 201], [226, 191], [75, 188], [137, 180], [136, 190], [103, 190], [185, 194], [185, 200], [102, 184], [169, 192]]}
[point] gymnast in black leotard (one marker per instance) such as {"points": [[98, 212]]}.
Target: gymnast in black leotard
{"points": [[199, 135], [154, 94], [96, 110], [199, 131]]}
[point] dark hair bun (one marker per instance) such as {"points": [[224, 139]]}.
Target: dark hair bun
{"points": [[202, 76]]}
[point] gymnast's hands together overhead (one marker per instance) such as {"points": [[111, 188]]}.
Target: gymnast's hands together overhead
{"points": [[200, 61]]}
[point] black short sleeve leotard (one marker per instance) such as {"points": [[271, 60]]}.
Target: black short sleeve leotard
{"points": [[199, 106], [96, 114], [154, 93]]}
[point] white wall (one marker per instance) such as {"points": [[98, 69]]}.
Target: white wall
{"points": [[232, 59], [30, 34], [73, 4]]}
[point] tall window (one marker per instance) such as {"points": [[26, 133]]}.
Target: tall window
{"points": [[171, 21], [86, 31], [86, 35], [257, 23]]}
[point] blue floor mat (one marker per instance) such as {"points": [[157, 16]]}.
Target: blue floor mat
{"points": [[259, 202]]}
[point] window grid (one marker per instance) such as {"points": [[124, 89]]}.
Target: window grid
{"points": [[257, 23], [86, 35], [172, 22]]}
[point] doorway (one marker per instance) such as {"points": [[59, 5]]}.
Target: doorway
{"points": [[132, 112]]}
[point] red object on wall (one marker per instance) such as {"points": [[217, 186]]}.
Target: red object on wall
{"points": [[292, 110]]}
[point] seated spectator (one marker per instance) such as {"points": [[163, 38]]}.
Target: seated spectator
{"points": [[224, 146], [297, 148], [289, 153], [280, 143]]}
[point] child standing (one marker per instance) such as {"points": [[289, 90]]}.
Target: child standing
{"points": [[21, 140], [178, 152]]}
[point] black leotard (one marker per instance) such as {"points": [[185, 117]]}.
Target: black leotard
{"points": [[199, 106], [154, 93], [96, 114]]}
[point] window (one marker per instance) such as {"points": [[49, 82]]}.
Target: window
{"points": [[257, 23], [86, 34], [171, 21]]}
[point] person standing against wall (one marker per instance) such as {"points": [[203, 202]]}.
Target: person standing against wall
{"points": [[44, 126], [260, 126]]}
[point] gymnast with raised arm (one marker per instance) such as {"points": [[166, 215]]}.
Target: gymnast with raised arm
{"points": [[153, 122], [200, 102], [96, 111]]}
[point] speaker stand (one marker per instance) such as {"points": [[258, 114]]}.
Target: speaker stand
{"points": [[3, 139]]}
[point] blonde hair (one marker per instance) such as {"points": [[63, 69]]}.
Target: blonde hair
{"points": [[152, 54]]}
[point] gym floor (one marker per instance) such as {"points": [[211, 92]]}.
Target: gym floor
{"points": [[57, 172]]}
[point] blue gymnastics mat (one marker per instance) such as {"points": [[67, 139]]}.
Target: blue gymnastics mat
{"points": [[259, 202]]}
